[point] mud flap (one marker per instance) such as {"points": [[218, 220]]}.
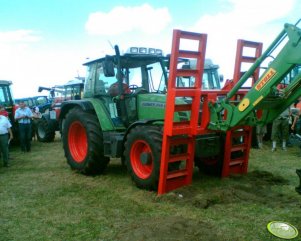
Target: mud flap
{"points": [[298, 189]]}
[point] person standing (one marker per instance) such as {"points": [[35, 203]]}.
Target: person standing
{"points": [[6, 136], [280, 129], [36, 116], [24, 115], [261, 131], [296, 125]]}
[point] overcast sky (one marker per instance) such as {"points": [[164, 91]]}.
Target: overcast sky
{"points": [[46, 42]]}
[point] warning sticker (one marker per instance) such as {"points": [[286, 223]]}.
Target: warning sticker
{"points": [[265, 79]]}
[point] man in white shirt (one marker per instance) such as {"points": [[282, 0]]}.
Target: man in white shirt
{"points": [[5, 136], [24, 115]]}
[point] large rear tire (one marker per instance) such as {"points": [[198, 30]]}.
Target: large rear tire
{"points": [[45, 130], [142, 155], [83, 142]]}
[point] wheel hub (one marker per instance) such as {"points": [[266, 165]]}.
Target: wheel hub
{"points": [[145, 158], [141, 159], [77, 139]]}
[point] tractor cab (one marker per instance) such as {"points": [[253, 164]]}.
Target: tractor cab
{"points": [[133, 86], [140, 69], [6, 98], [121, 80]]}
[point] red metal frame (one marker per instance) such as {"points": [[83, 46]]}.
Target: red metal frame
{"points": [[184, 132], [241, 58], [232, 163], [237, 149]]}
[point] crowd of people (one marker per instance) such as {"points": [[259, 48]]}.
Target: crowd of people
{"points": [[287, 124], [25, 117]]}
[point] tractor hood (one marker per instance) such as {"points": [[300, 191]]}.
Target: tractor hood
{"points": [[152, 106]]}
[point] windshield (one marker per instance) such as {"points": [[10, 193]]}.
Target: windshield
{"points": [[41, 100], [73, 92], [5, 97], [136, 75], [210, 80]]}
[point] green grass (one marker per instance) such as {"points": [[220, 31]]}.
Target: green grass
{"points": [[42, 199]]}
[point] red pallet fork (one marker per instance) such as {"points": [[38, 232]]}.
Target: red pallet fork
{"points": [[241, 58], [237, 148], [181, 133], [238, 139]]}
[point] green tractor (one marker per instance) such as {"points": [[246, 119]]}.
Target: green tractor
{"points": [[122, 112]]}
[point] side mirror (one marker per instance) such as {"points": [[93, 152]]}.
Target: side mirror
{"points": [[108, 67]]}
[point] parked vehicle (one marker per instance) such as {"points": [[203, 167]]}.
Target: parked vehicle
{"points": [[42, 102], [6, 99], [48, 124]]}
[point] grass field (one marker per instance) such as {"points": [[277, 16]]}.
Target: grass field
{"points": [[42, 199]]}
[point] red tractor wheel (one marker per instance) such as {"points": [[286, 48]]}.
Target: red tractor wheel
{"points": [[83, 144], [142, 155], [141, 158]]}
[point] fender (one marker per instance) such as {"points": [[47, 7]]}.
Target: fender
{"points": [[92, 105], [70, 104], [141, 122]]}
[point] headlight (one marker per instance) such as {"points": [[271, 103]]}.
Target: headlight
{"points": [[144, 50]]}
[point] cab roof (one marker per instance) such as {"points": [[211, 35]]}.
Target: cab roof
{"points": [[131, 60]]}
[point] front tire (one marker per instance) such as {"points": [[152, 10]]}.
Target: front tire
{"points": [[83, 142], [143, 154]]}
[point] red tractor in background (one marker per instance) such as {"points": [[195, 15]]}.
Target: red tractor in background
{"points": [[7, 100], [48, 124]]}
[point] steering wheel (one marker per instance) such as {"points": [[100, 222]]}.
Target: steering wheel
{"points": [[133, 87]]}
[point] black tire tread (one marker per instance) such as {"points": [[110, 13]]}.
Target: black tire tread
{"points": [[48, 130], [95, 162], [152, 134]]}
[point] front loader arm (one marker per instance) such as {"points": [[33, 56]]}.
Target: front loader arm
{"points": [[257, 97]]}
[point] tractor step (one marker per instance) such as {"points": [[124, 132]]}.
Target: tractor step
{"points": [[176, 174], [236, 162], [178, 157], [240, 147]]}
